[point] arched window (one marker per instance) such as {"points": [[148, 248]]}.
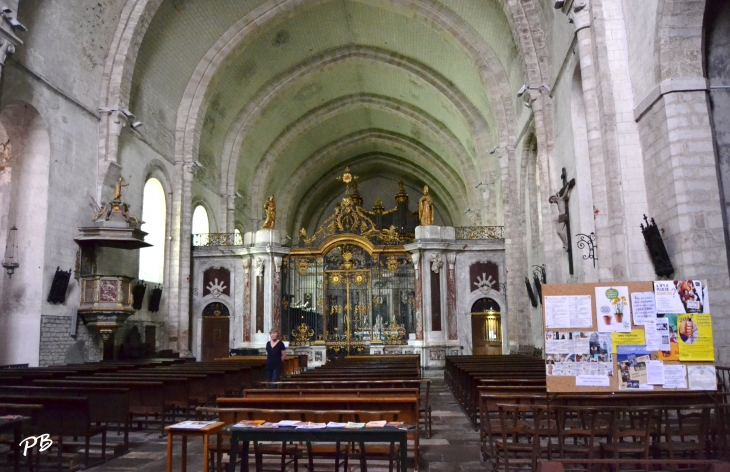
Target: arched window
{"points": [[200, 220], [238, 238], [154, 214]]}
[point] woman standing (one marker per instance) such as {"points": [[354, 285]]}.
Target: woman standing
{"points": [[275, 355]]}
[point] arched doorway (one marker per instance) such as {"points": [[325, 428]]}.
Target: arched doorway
{"points": [[216, 329], [486, 327]]}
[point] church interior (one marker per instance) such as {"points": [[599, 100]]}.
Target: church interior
{"points": [[379, 179]]}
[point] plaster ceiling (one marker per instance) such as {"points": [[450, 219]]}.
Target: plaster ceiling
{"points": [[390, 88]]}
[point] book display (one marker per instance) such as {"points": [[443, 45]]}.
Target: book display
{"points": [[638, 336]]}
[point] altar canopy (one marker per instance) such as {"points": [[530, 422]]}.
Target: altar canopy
{"points": [[351, 284]]}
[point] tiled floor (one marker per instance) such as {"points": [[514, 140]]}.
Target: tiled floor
{"points": [[454, 446]]}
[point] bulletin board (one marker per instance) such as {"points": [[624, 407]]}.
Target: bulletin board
{"points": [[610, 351]]}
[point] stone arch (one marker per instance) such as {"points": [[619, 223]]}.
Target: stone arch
{"points": [[403, 110], [25, 185], [117, 76], [333, 149]]}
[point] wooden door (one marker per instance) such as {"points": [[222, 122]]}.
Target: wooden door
{"points": [[478, 341], [215, 337], [486, 333]]}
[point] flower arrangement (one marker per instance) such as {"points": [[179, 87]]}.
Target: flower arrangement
{"points": [[619, 303]]}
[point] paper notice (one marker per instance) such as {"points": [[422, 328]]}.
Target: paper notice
{"points": [[695, 337], [657, 334], [613, 310], [634, 338], [643, 307], [702, 377], [568, 312], [675, 376], [655, 372], [592, 381]]}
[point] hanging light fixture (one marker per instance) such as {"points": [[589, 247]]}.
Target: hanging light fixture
{"points": [[10, 263]]}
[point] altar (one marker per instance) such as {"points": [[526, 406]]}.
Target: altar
{"points": [[363, 282]]}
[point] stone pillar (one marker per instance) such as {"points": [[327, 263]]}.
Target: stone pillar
{"points": [[416, 258], [582, 18], [268, 255], [246, 299], [451, 297]]}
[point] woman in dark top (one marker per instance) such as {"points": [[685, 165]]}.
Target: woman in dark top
{"points": [[275, 355]]}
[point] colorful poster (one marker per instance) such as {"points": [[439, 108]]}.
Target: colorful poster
{"points": [[673, 353], [600, 346], [632, 367], [613, 310], [634, 338], [695, 337], [702, 377], [680, 296], [643, 307]]}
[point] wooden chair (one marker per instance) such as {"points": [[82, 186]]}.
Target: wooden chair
{"points": [[630, 433], [518, 446], [686, 432]]}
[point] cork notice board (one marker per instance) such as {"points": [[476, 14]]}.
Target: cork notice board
{"points": [[567, 383]]}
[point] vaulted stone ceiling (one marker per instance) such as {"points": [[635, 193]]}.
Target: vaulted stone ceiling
{"points": [[416, 90]]}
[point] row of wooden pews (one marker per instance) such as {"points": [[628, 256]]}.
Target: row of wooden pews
{"points": [[522, 426], [387, 387], [85, 400]]}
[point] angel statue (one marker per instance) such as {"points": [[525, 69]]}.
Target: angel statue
{"points": [[270, 209], [118, 188], [425, 208]]}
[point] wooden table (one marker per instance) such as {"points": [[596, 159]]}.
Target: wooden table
{"points": [[205, 432], [14, 424], [362, 435]]}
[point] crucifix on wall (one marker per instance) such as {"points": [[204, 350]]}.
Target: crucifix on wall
{"points": [[561, 199]]}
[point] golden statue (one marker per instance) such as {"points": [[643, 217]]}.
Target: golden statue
{"points": [[270, 209], [118, 188], [425, 208]]}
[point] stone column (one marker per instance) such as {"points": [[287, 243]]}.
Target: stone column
{"points": [[416, 258], [268, 254], [582, 18], [276, 294], [451, 296], [246, 299]]}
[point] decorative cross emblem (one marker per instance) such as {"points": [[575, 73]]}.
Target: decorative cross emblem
{"points": [[348, 178]]}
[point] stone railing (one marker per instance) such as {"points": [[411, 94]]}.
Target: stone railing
{"points": [[479, 232], [217, 239]]}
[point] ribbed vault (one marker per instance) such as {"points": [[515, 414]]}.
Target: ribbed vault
{"points": [[277, 97]]}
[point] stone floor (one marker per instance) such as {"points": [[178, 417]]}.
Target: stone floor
{"points": [[454, 446]]}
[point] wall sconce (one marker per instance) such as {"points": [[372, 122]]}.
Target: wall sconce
{"points": [[128, 116], [588, 241], [655, 243], [530, 293], [540, 277], [10, 263]]}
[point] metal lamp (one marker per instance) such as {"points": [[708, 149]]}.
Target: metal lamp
{"points": [[10, 263]]}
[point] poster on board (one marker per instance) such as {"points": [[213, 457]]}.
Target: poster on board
{"points": [[613, 309], [681, 296], [695, 337]]}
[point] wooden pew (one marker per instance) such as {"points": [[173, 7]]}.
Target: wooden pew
{"points": [[63, 416], [106, 405], [145, 397], [408, 407]]}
